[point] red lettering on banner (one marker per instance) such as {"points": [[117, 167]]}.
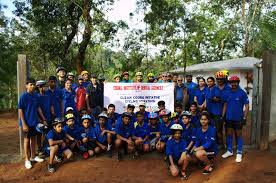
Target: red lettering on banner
{"points": [[117, 88], [156, 87], [145, 88]]}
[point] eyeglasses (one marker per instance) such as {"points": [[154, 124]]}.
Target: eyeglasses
{"points": [[164, 76], [179, 80]]}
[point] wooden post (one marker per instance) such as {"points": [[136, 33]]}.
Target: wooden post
{"points": [[268, 57], [22, 74]]}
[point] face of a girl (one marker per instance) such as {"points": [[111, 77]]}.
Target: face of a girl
{"points": [[177, 135], [85, 123], [193, 108], [185, 120], [210, 82], [68, 84], [201, 82], [204, 120]]}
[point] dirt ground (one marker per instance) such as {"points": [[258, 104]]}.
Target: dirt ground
{"points": [[256, 167]]}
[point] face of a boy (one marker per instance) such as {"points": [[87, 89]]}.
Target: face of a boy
{"points": [[58, 128], [70, 122], [204, 121], [61, 73], [101, 121], [140, 118], [126, 77], [117, 80], [111, 110], [161, 107], [126, 120], [80, 81], [153, 122], [85, 77], [94, 80], [30, 87], [193, 108], [210, 82], [42, 89], [234, 85], [185, 120], [142, 108], [85, 123], [139, 78], [165, 119], [177, 135], [189, 79], [52, 83], [220, 82], [178, 110]]}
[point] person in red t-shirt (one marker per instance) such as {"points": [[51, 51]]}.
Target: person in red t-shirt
{"points": [[80, 94]]}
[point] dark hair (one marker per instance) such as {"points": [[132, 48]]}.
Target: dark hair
{"points": [[205, 113], [194, 103], [68, 80], [202, 79], [52, 78], [139, 113], [189, 75], [212, 78], [111, 105], [104, 109], [175, 74], [30, 80], [178, 105], [161, 102]]}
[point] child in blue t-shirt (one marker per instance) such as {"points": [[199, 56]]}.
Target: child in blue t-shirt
{"points": [[28, 108], [57, 144], [73, 132], [88, 137], [200, 94], [205, 143], [164, 129], [154, 129], [140, 134], [176, 152], [189, 131], [195, 118], [104, 135], [68, 96], [236, 101]]}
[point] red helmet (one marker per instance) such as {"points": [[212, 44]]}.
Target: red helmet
{"points": [[85, 155], [234, 79]]}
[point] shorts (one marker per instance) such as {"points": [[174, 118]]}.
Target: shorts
{"points": [[60, 150], [90, 145], [31, 133], [236, 125], [218, 122]]}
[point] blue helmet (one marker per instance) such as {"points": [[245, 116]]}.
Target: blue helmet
{"points": [[86, 116], [152, 115]]}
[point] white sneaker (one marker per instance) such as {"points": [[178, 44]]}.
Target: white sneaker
{"points": [[28, 164], [227, 154], [37, 159], [239, 158]]}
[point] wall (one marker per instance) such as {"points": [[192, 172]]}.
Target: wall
{"points": [[272, 123]]}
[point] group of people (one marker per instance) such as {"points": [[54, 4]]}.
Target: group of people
{"points": [[64, 117]]}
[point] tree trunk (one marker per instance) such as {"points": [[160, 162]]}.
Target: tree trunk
{"points": [[85, 37]]}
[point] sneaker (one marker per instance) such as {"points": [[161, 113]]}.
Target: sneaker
{"points": [[239, 158], [58, 159], [51, 168], [120, 156], [28, 164], [37, 159], [207, 170], [227, 154]]}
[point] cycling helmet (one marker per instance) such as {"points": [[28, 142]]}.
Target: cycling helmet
{"points": [[176, 127], [186, 113], [234, 79], [153, 115]]}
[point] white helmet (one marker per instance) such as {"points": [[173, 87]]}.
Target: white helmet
{"points": [[176, 127]]}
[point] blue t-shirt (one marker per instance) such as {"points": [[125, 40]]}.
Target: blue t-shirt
{"points": [[175, 148], [189, 134], [140, 131], [200, 95], [207, 139], [191, 91], [68, 99], [153, 130], [146, 117], [87, 133], [101, 138], [28, 102], [195, 120], [86, 83], [217, 107], [165, 131], [112, 121], [73, 132], [123, 130], [235, 104], [209, 104], [45, 104], [53, 135], [56, 99]]}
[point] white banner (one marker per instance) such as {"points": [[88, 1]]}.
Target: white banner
{"points": [[122, 94]]}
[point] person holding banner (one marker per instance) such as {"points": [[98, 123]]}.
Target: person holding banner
{"points": [[139, 77], [150, 77], [126, 79]]}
